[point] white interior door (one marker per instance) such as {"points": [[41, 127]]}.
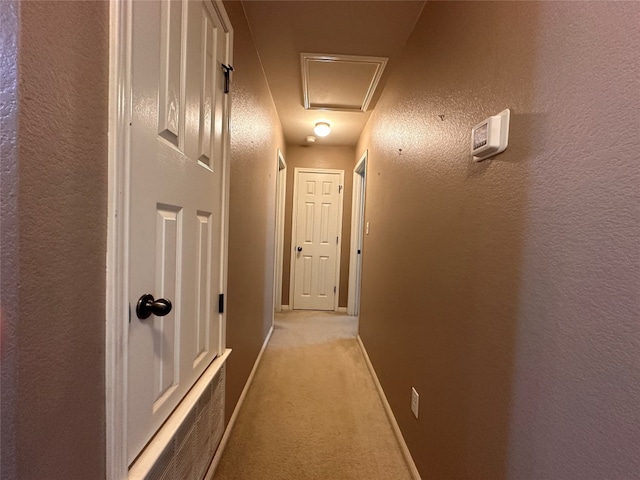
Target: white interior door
{"points": [[178, 132], [317, 221]]}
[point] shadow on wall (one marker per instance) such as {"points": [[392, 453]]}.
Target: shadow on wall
{"points": [[256, 136], [441, 271]]}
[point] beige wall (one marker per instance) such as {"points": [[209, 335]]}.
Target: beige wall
{"points": [[508, 291], [53, 321], [256, 135], [319, 156]]}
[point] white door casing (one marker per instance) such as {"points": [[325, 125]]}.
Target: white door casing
{"points": [[357, 234], [168, 202], [316, 232], [281, 190]]}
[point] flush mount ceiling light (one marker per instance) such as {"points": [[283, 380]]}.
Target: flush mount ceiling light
{"points": [[322, 129], [311, 139]]}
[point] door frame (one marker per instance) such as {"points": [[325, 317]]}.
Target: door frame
{"points": [[357, 234], [281, 191], [117, 310], [117, 294], [293, 233]]}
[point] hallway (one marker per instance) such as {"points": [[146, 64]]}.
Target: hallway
{"points": [[506, 292], [312, 411]]}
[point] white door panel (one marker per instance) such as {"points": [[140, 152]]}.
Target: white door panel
{"points": [[317, 224], [204, 302], [177, 143], [166, 329]]}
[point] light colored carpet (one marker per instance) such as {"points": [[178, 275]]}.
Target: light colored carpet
{"points": [[312, 411]]}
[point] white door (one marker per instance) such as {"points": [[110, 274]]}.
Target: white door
{"points": [[178, 132], [317, 221]]}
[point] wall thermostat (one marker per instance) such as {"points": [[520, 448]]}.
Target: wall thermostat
{"points": [[490, 136]]}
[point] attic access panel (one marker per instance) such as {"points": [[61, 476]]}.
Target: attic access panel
{"points": [[340, 82]]}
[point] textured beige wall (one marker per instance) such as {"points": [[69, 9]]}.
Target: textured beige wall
{"points": [[319, 156], [9, 22], [53, 371], [256, 135], [508, 291]]}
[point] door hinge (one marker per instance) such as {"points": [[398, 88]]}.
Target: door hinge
{"points": [[227, 69], [339, 188], [221, 303], [334, 289], [337, 240]]}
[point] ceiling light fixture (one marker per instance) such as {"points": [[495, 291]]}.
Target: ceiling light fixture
{"points": [[311, 139], [322, 129]]}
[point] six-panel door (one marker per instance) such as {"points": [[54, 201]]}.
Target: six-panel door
{"points": [[178, 126], [317, 232]]}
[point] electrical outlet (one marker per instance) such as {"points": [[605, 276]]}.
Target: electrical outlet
{"points": [[415, 401]]}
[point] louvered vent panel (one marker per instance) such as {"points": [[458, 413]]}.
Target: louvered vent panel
{"points": [[189, 453]]}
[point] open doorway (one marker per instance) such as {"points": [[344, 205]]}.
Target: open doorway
{"points": [[281, 191], [357, 230]]}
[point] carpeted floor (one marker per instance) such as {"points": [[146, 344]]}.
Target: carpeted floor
{"points": [[312, 411]]}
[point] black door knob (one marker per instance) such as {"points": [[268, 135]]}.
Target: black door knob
{"points": [[299, 249], [148, 306]]}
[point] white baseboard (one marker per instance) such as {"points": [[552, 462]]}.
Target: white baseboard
{"points": [[285, 308], [394, 424], [234, 416], [342, 310]]}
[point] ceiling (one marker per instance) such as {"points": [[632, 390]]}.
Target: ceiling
{"points": [[283, 30]]}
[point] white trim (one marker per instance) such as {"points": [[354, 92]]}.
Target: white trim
{"points": [[357, 224], [285, 308], [294, 222], [226, 176], [342, 310], [392, 419], [117, 275], [281, 190], [234, 416]]}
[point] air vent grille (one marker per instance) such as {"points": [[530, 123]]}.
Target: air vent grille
{"points": [[189, 452]]}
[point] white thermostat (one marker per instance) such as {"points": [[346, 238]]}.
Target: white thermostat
{"points": [[490, 136]]}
